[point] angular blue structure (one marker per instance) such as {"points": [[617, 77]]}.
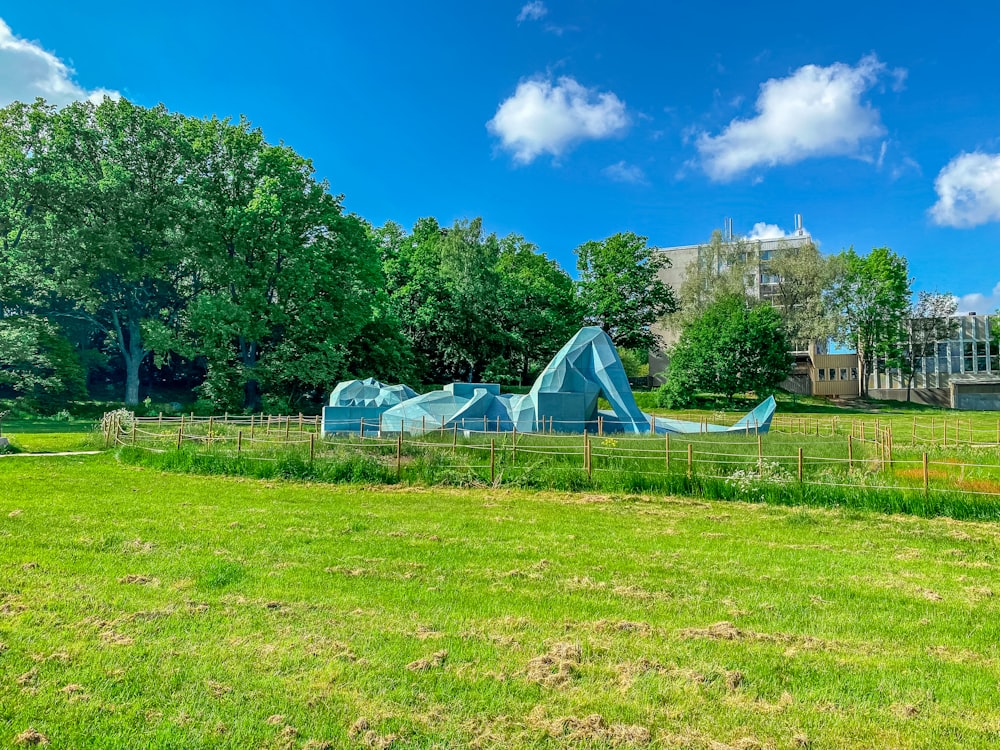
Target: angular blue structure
{"points": [[355, 400], [563, 399]]}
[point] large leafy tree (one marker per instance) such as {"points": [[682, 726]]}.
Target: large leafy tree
{"points": [[286, 280], [804, 275], [621, 290], [872, 299], [116, 244], [24, 137], [732, 347], [538, 303]]}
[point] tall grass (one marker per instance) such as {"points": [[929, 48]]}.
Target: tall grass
{"points": [[726, 468]]}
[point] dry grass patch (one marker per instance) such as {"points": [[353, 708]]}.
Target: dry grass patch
{"points": [[556, 667], [433, 661], [593, 728]]}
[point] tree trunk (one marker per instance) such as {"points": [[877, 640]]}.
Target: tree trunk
{"points": [[133, 354], [132, 380], [251, 388]]}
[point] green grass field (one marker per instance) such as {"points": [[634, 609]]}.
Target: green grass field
{"points": [[145, 609]]}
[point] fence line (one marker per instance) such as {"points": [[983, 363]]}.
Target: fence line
{"points": [[870, 450]]}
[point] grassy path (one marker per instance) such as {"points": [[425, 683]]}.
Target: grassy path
{"points": [[160, 610]]}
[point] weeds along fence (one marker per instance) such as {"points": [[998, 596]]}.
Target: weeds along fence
{"points": [[857, 463]]}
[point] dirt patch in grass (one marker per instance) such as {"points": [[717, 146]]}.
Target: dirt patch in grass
{"points": [[116, 639], [732, 679], [623, 626], [556, 667], [433, 661], [720, 631], [140, 580], [425, 631], [28, 679], [31, 738], [589, 729], [363, 733]]}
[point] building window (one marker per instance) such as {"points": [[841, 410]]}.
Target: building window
{"points": [[981, 356], [833, 374], [821, 372], [854, 373], [843, 373]]}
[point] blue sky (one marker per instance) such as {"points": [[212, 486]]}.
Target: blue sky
{"points": [[569, 121]]}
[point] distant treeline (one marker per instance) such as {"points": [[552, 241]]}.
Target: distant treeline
{"points": [[142, 249]]}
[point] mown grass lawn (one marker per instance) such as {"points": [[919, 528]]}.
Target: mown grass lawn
{"points": [[141, 609]]}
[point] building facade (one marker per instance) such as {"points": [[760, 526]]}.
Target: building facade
{"points": [[962, 371], [762, 285]]}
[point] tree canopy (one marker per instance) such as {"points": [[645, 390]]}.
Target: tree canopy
{"points": [[872, 299], [621, 290], [732, 347]]}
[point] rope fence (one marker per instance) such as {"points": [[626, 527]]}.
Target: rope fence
{"points": [[834, 452]]}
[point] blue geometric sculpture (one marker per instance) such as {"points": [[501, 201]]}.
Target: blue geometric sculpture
{"points": [[356, 400], [563, 399]]}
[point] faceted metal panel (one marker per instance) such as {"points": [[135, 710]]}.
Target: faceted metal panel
{"points": [[563, 399]]}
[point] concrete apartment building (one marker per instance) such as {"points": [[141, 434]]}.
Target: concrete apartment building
{"points": [[962, 372], [763, 286]]}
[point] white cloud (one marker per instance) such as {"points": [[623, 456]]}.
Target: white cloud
{"points": [[532, 11], [763, 231], [968, 191], [546, 118], [980, 303], [816, 111], [27, 71], [625, 172]]}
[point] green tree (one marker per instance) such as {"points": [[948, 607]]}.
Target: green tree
{"points": [[115, 245], [620, 288], [872, 299], [286, 281], [803, 277], [24, 136], [732, 347], [720, 269], [538, 304], [38, 364]]}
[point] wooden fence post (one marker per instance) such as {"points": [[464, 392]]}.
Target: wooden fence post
{"points": [[590, 459], [666, 451], [287, 421], [850, 452], [760, 454], [927, 478], [690, 459], [513, 444], [454, 439], [800, 465], [586, 446], [161, 419], [493, 460], [133, 432], [399, 451], [180, 436], [211, 426], [300, 421], [239, 442], [312, 446]]}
